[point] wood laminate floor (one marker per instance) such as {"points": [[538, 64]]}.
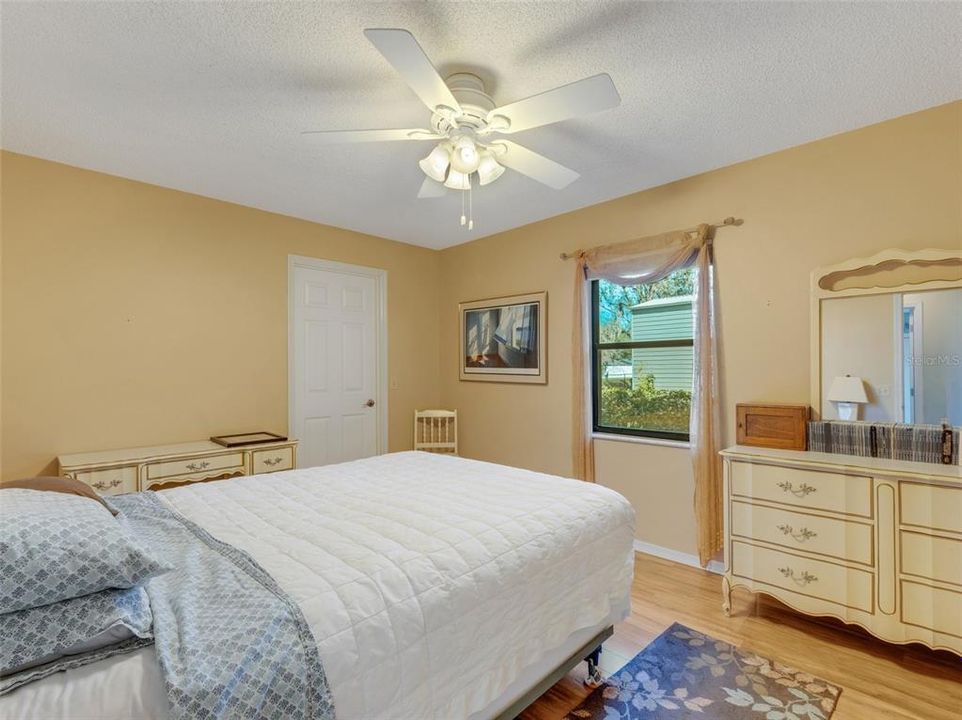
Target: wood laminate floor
{"points": [[879, 681]]}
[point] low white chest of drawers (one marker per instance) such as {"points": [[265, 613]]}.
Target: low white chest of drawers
{"points": [[112, 472], [876, 543]]}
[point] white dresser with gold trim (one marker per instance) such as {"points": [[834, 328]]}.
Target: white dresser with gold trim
{"points": [[112, 472], [876, 543]]}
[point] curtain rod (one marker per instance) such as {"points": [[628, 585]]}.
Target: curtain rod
{"points": [[727, 222]]}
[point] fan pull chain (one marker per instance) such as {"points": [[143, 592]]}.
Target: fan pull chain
{"points": [[467, 204]]}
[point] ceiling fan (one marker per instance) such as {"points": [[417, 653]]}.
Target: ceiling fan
{"points": [[466, 123]]}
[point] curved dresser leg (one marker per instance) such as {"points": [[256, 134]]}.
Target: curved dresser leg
{"points": [[726, 596]]}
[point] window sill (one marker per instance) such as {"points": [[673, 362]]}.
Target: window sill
{"points": [[641, 440]]}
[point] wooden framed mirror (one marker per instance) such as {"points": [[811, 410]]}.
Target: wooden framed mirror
{"points": [[894, 320]]}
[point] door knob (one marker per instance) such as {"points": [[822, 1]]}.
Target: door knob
{"points": [[369, 403]]}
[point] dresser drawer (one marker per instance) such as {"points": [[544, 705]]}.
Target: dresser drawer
{"points": [[935, 558], [847, 494], [110, 482], [206, 465], [932, 608], [838, 538], [272, 460], [931, 506], [804, 576]]}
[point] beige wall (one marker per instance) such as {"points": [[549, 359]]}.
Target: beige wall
{"points": [[133, 314], [137, 315], [896, 184]]}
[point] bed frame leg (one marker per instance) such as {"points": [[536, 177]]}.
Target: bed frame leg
{"points": [[594, 678]]}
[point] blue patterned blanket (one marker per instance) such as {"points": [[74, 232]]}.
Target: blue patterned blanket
{"points": [[230, 643]]}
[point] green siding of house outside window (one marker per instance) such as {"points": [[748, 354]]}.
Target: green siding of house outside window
{"points": [[663, 320]]}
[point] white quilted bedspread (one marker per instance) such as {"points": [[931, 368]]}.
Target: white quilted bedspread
{"points": [[429, 581]]}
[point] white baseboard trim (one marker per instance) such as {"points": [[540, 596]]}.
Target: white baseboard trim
{"points": [[677, 556]]}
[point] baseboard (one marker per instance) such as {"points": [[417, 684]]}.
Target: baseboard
{"points": [[677, 556]]}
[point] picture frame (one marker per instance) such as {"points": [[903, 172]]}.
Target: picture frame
{"points": [[504, 339], [249, 438]]}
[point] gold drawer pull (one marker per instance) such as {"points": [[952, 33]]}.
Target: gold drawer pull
{"points": [[803, 489], [802, 580], [101, 485], [801, 536], [271, 462], [198, 466]]}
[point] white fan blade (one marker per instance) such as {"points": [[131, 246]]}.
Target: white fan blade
{"points": [[590, 95], [431, 189], [403, 52], [535, 166], [333, 137]]}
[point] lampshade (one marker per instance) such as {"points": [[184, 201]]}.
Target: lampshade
{"points": [[489, 169], [457, 180], [847, 389], [435, 165], [465, 157]]}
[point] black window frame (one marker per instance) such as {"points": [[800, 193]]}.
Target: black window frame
{"points": [[596, 348]]}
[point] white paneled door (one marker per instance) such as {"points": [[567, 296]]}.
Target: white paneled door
{"points": [[336, 361]]}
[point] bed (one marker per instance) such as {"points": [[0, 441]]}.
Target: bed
{"points": [[434, 586]]}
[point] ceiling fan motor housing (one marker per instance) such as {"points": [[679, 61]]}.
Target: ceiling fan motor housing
{"points": [[468, 90]]}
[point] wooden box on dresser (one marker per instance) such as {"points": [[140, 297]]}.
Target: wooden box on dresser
{"points": [[113, 472], [872, 542]]}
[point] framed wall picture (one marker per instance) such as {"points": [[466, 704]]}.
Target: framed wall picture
{"points": [[503, 339]]}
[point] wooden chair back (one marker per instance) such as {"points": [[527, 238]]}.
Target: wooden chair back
{"points": [[436, 431]]}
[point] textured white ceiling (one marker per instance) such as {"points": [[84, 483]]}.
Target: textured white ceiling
{"points": [[210, 98]]}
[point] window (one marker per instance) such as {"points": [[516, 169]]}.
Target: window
{"points": [[642, 356]]}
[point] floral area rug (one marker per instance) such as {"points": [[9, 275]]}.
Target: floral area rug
{"points": [[684, 674]]}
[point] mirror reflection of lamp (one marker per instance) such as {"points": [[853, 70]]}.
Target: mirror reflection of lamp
{"points": [[847, 393]]}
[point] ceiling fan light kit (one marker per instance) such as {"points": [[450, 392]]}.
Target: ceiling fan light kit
{"points": [[463, 116], [489, 169], [435, 165], [457, 180], [465, 158]]}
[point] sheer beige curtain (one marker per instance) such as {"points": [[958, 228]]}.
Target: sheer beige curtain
{"points": [[647, 260]]}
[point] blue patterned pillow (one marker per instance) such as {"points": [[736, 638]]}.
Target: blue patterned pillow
{"points": [[55, 547], [39, 636]]}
